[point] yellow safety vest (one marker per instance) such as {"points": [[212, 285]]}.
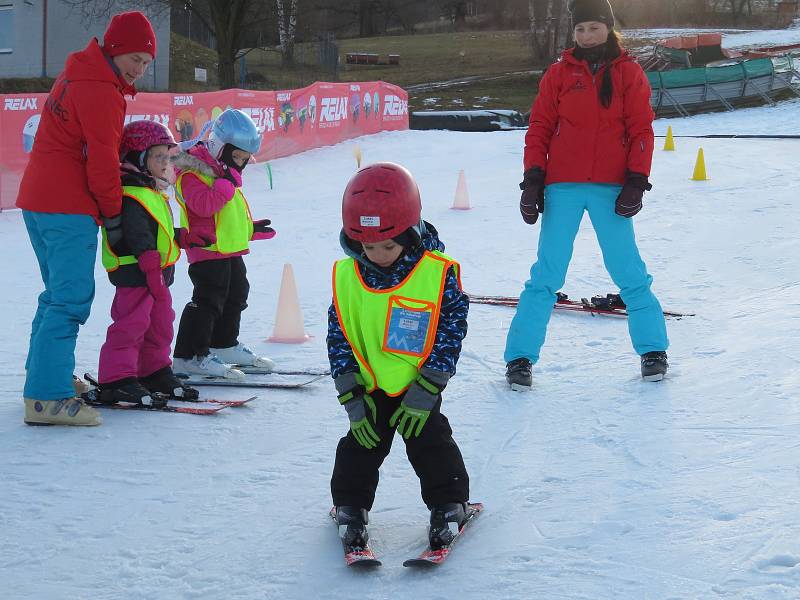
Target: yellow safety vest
{"points": [[233, 224], [391, 331], [157, 205]]}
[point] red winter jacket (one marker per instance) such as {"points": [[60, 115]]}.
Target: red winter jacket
{"points": [[74, 165], [574, 139]]}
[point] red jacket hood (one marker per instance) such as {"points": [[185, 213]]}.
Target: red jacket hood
{"points": [[91, 64]]}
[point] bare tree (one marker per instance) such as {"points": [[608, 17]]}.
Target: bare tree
{"points": [[549, 28], [287, 25]]}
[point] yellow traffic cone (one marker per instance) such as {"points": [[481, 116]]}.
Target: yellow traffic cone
{"points": [[461, 200], [700, 167], [288, 318], [669, 143], [357, 154]]}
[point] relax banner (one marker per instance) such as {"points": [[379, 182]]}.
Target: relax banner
{"points": [[292, 120]]}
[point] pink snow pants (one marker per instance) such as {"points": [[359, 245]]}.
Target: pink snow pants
{"points": [[138, 341]]}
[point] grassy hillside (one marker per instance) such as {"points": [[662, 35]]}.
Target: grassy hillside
{"points": [[184, 56], [423, 59]]}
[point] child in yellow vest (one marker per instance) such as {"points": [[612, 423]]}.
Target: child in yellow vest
{"points": [[394, 336], [212, 205], [139, 251]]}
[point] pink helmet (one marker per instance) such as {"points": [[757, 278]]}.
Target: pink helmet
{"points": [[138, 136]]}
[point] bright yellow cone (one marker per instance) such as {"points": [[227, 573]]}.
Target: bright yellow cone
{"points": [[669, 143], [357, 154], [700, 167]]}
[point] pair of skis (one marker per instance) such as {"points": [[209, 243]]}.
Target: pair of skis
{"points": [[365, 556], [608, 305], [250, 382], [211, 406]]}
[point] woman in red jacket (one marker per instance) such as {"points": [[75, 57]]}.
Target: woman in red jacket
{"points": [[70, 185], [588, 148]]}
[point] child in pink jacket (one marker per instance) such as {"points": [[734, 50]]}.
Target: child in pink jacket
{"points": [[213, 206]]}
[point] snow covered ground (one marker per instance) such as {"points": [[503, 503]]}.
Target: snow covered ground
{"points": [[596, 484]]}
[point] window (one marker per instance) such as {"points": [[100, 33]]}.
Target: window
{"points": [[6, 27]]}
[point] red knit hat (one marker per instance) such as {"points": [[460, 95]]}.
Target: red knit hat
{"points": [[129, 32]]}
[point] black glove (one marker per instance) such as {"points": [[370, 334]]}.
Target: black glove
{"points": [[531, 203], [189, 239], [262, 226], [629, 201], [262, 230], [113, 227]]}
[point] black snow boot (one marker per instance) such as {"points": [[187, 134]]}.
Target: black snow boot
{"points": [[446, 520], [165, 382], [654, 366], [352, 523], [518, 374], [131, 391]]}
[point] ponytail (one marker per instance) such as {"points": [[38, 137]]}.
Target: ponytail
{"points": [[613, 48]]}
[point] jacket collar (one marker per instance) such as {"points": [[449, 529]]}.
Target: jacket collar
{"points": [[568, 57]]}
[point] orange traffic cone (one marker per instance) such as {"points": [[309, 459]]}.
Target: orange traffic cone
{"points": [[461, 201], [288, 318]]}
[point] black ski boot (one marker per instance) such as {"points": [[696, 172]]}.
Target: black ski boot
{"points": [[165, 382], [446, 520], [352, 523], [654, 366], [518, 374], [131, 391]]}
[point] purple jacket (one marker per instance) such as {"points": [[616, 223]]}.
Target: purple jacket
{"points": [[203, 202]]}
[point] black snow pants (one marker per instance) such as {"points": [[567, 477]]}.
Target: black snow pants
{"points": [[212, 318], [434, 456]]}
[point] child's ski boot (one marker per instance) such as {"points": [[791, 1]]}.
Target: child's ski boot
{"points": [[165, 382], [205, 366], [352, 523], [242, 355], [446, 520], [131, 391]]}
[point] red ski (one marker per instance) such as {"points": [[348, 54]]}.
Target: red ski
{"points": [[91, 399], [231, 403], [436, 557]]}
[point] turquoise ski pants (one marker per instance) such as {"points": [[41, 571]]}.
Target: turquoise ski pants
{"points": [[65, 247], [564, 206]]}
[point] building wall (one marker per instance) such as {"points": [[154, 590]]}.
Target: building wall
{"points": [[67, 32]]}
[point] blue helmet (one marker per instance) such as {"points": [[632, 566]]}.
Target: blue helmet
{"points": [[235, 128]]}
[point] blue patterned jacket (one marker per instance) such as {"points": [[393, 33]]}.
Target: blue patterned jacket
{"points": [[452, 326]]}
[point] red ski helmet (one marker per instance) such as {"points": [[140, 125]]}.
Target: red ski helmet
{"points": [[138, 136], [380, 202]]}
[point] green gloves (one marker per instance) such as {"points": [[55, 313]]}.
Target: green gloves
{"points": [[418, 402], [353, 396]]}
